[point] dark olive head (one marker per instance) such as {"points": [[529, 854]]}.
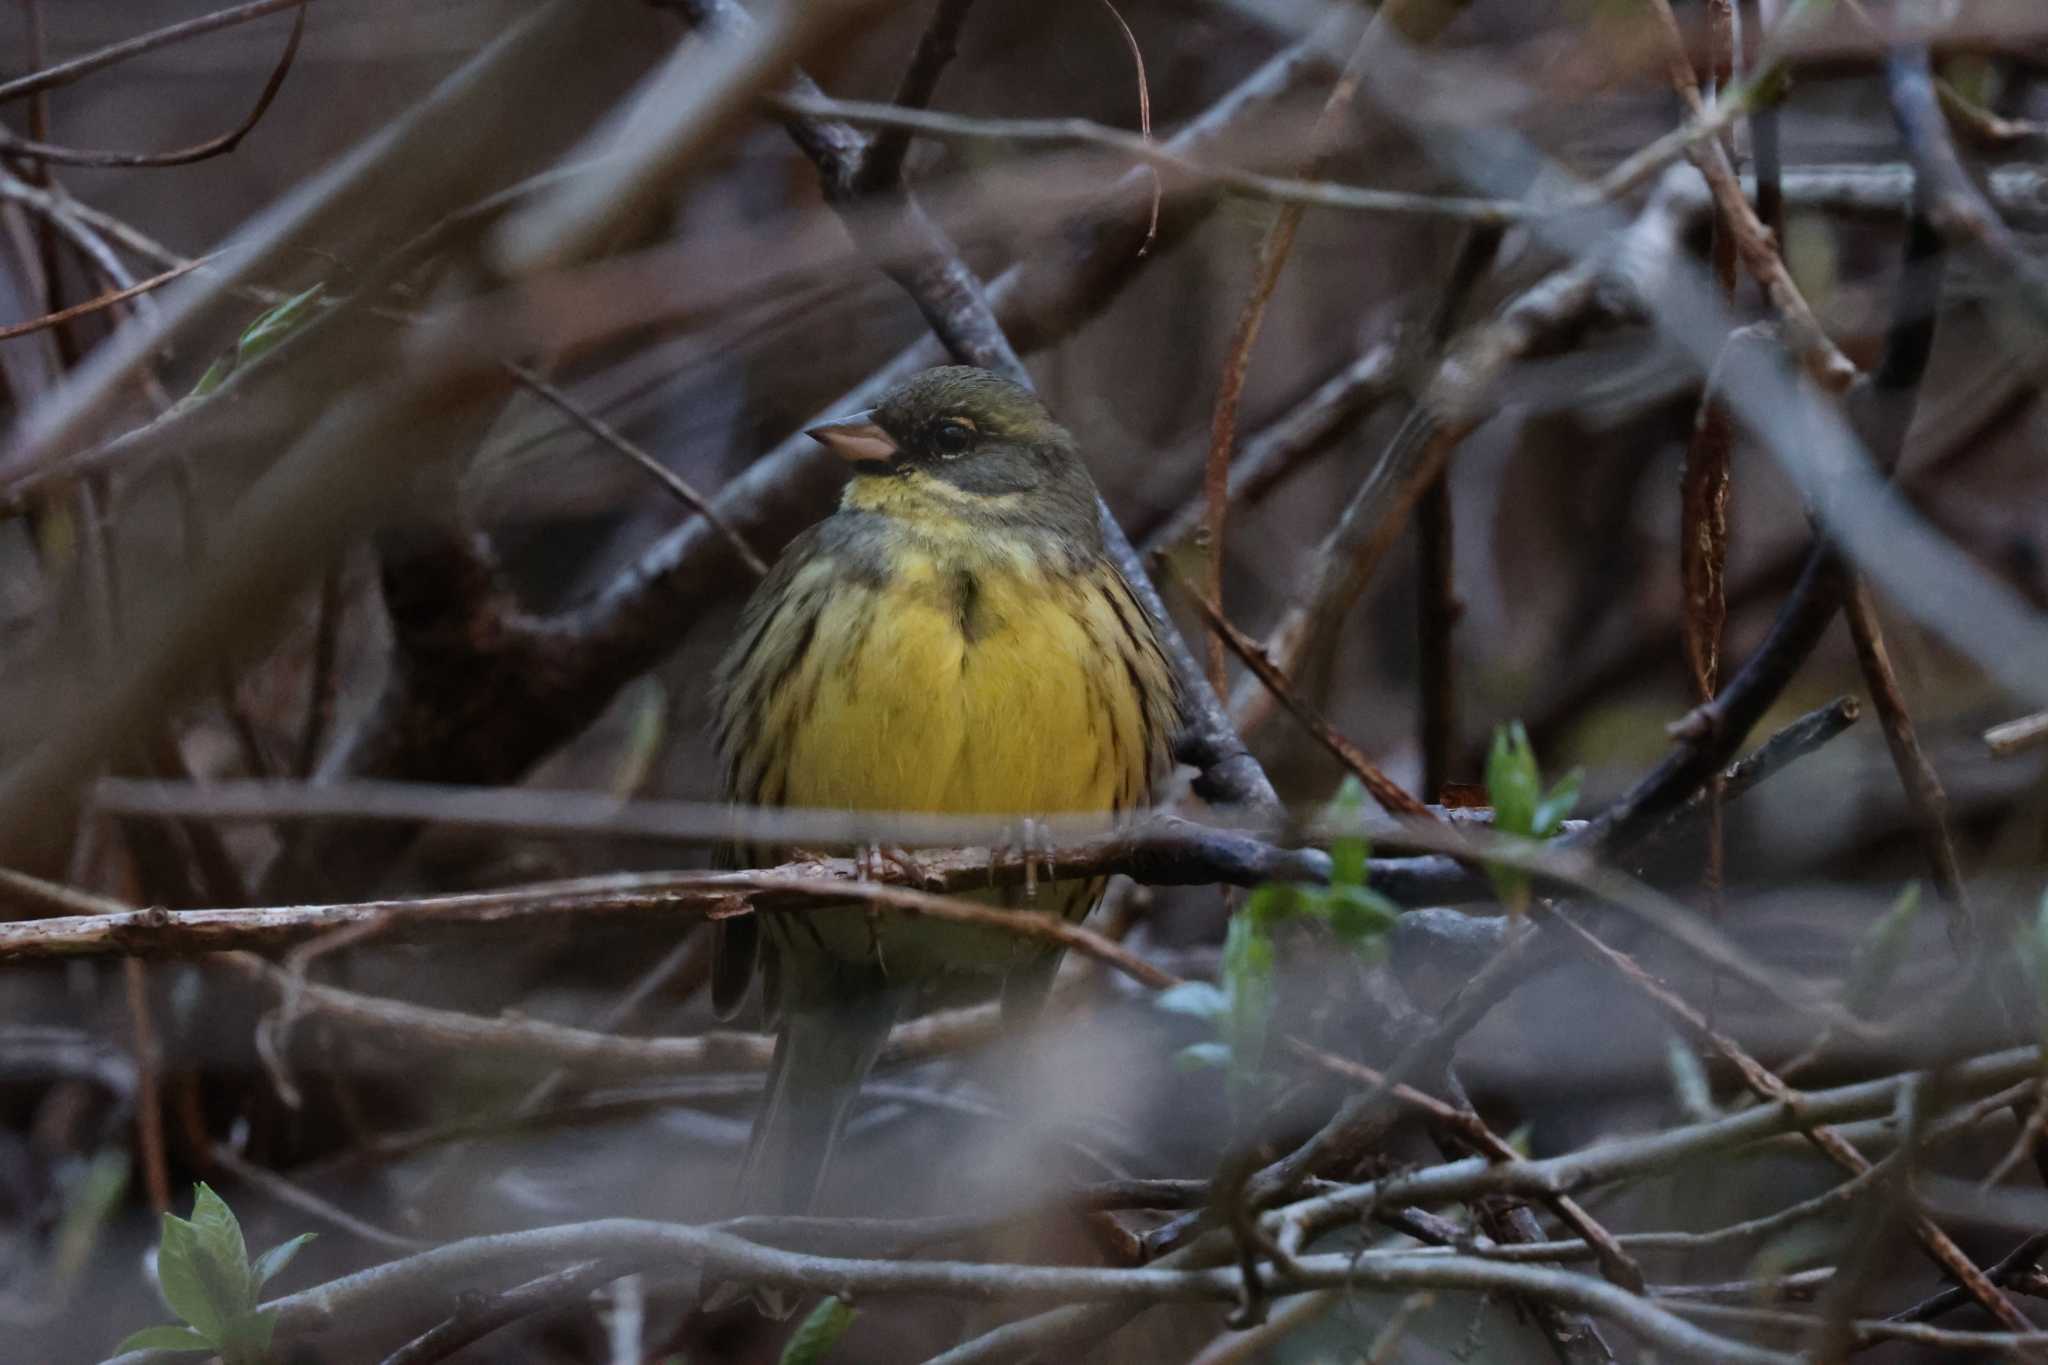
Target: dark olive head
{"points": [[975, 432]]}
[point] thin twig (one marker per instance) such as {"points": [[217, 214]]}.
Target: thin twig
{"points": [[1438, 608], [1922, 784], [881, 165], [1763, 126], [2017, 736], [1826, 364], [149, 1100], [476, 1320], [1144, 117], [97, 303], [32, 150], [1275, 246], [1615, 1263], [64, 73], [2010, 1267], [1956, 206], [609, 437], [1452, 404], [1155, 156], [283, 1191], [1983, 126], [1770, 1088], [1391, 796], [359, 1298], [1704, 487], [1287, 443]]}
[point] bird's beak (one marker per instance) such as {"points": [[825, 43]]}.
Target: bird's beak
{"points": [[855, 438]]}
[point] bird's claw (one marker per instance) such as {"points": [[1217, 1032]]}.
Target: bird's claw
{"points": [[1034, 841], [869, 857]]}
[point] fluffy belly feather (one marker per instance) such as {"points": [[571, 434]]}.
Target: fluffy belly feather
{"points": [[1012, 696], [1027, 711]]}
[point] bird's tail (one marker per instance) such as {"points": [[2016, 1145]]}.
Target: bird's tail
{"points": [[822, 1054]]}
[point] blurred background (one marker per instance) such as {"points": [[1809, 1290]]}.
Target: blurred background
{"points": [[122, 1083]]}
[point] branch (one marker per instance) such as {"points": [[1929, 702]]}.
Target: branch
{"points": [[1169, 852], [1826, 364], [183, 156], [1772, 1090], [1181, 171], [1711, 733], [1304, 431], [1916, 774], [64, 73], [2017, 736], [1624, 1158], [1393, 798], [391, 1293], [1454, 402], [1956, 207], [881, 167]]}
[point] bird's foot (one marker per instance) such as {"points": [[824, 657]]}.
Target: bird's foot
{"points": [[869, 857], [1033, 840]]}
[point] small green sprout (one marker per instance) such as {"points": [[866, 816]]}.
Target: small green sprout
{"points": [[203, 1268], [259, 338], [1241, 1008], [1521, 807], [819, 1333]]}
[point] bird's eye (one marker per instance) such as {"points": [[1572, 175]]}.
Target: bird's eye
{"points": [[954, 436]]}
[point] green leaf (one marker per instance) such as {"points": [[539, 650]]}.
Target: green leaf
{"points": [[1521, 808], [1349, 854], [216, 375], [819, 1334], [1512, 784], [1360, 917], [1202, 1057], [1689, 1082], [273, 326], [278, 1257], [166, 1338], [1248, 974], [260, 337], [1196, 998], [184, 1281], [1883, 950], [1267, 905], [1248, 946], [226, 1254], [1556, 805]]}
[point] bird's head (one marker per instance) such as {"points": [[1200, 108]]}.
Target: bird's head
{"points": [[963, 442]]}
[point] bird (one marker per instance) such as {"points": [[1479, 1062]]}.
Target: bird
{"points": [[953, 639]]}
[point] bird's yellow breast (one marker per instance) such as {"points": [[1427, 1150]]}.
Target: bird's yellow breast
{"points": [[967, 688], [963, 670]]}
